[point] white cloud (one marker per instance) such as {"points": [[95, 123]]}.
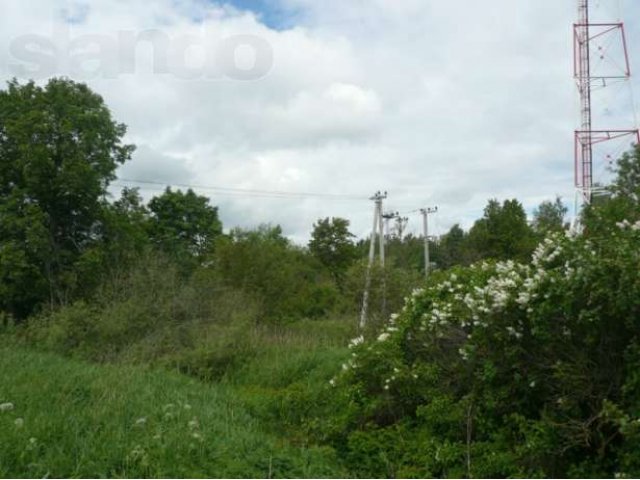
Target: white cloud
{"points": [[438, 102]]}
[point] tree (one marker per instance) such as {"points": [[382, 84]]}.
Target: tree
{"points": [[451, 248], [549, 217], [183, 224], [59, 149], [627, 180], [125, 234], [407, 252], [621, 203], [286, 280], [331, 243], [502, 233]]}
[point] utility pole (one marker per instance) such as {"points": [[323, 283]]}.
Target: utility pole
{"points": [[425, 221], [376, 230], [401, 224], [387, 217]]}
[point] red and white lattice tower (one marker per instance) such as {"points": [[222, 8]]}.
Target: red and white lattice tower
{"points": [[596, 44]]}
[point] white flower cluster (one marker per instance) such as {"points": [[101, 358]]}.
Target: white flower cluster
{"points": [[351, 364], [469, 305], [417, 292], [447, 286], [626, 224], [546, 252], [383, 337], [514, 333], [356, 341], [464, 353], [393, 378], [501, 287], [491, 288]]}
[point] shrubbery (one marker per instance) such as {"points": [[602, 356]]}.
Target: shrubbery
{"points": [[507, 369], [151, 314]]}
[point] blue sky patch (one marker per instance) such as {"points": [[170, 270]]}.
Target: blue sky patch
{"points": [[270, 12], [75, 13]]}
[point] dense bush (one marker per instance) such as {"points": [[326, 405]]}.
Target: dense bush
{"points": [[506, 369], [509, 369], [152, 314], [389, 286], [287, 282]]}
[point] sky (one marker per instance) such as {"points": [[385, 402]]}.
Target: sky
{"points": [[438, 103]]}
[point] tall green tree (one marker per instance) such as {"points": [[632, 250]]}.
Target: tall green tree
{"points": [[407, 252], [59, 149], [549, 217], [452, 248], [331, 243], [183, 225], [502, 233], [125, 232]]}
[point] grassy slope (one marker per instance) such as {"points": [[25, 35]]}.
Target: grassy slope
{"points": [[84, 420]]}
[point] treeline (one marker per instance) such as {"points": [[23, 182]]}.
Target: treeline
{"points": [[503, 232], [63, 239]]}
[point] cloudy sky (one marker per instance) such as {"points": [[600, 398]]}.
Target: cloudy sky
{"points": [[438, 102]]}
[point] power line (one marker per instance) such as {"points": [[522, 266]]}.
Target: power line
{"points": [[233, 191]]}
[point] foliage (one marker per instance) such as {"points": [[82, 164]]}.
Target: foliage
{"points": [[287, 282], [69, 419], [407, 253], [59, 148], [453, 248], [505, 368], [183, 225], [151, 315], [549, 217], [121, 228], [502, 233], [331, 244], [389, 286]]}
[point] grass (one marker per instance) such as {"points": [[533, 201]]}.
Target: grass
{"points": [[75, 419], [287, 387]]}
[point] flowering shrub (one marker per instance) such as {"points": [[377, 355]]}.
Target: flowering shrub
{"points": [[505, 369]]}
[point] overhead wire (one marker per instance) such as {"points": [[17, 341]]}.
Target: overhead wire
{"points": [[234, 191]]}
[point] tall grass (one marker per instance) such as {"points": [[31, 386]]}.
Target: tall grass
{"points": [[116, 416], [73, 419], [286, 384]]}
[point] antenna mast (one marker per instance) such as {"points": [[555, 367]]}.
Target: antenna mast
{"points": [[589, 45]]}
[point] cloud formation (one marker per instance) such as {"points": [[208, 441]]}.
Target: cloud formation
{"points": [[447, 103]]}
